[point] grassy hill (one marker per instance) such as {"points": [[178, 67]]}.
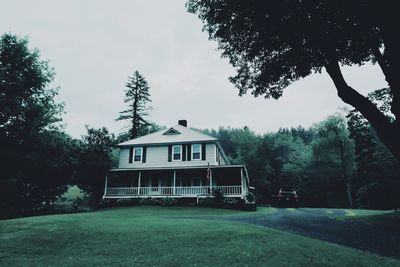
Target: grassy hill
{"points": [[143, 236]]}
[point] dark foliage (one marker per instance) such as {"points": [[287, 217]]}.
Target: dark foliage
{"points": [[36, 157], [321, 163], [377, 170], [95, 159], [274, 43]]}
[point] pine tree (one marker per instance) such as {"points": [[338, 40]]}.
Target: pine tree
{"points": [[137, 96]]}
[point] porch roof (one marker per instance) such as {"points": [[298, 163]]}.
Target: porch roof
{"points": [[178, 168]]}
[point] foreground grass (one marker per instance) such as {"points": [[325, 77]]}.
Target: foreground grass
{"points": [[142, 236]]}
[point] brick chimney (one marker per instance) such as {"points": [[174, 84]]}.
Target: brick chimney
{"points": [[183, 123]]}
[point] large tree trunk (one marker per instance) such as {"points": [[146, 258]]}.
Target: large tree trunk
{"points": [[386, 130], [349, 197], [347, 172]]}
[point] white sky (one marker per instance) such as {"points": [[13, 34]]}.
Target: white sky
{"points": [[95, 45]]}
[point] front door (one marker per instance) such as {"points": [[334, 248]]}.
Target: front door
{"points": [[154, 186]]}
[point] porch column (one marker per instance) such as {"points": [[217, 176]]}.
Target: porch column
{"points": [[210, 180], [242, 182], [105, 187], [174, 181], [140, 175]]}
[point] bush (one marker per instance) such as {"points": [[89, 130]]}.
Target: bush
{"points": [[149, 201], [168, 201], [128, 202], [227, 203], [230, 203], [139, 201], [250, 197], [217, 199], [207, 202], [218, 196], [68, 204]]}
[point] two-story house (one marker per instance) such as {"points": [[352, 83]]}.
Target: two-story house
{"points": [[177, 162]]}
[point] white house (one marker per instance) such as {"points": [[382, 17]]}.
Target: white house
{"points": [[177, 162]]}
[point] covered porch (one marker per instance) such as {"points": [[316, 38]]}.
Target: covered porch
{"points": [[176, 182]]}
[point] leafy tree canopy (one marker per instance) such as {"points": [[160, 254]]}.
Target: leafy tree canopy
{"points": [[273, 43], [332, 144], [35, 156], [26, 100], [95, 159]]}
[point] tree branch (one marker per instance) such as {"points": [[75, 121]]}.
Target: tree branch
{"points": [[392, 80], [382, 125], [381, 60]]}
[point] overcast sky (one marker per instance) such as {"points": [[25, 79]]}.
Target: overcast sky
{"points": [[95, 45]]}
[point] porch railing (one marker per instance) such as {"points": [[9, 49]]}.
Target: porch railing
{"points": [[169, 191], [121, 191]]}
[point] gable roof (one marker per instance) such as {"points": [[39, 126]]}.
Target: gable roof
{"points": [[172, 131], [176, 134]]}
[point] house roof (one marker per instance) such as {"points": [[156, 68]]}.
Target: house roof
{"points": [[176, 134]]}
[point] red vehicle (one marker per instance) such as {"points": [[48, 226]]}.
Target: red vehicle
{"points": [[285, 198]]}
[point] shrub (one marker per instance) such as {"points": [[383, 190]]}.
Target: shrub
{"points": [[128, 202], [207, 202], [149, 201], [230, 203], [250, 197], [168, 201], [70, 204], [218, 196]]}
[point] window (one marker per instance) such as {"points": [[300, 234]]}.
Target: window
{"points": [[196, 152], [177, 153], [138, 154]]}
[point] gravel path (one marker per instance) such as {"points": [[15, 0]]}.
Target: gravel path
{"points": [[316, 223]]}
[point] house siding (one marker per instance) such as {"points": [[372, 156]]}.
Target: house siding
{"points": [[157, 156], [219, 158]]}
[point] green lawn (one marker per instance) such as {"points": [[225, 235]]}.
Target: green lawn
{"points": [[388, 219], [151, 236]]}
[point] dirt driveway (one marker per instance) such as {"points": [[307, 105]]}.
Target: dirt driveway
{"points": [[331, 226]]}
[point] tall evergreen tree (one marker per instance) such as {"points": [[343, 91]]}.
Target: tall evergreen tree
{"points": [[138, 97]]}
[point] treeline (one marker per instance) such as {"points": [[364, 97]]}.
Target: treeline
{"points": [[338, 162], [38, 159]]}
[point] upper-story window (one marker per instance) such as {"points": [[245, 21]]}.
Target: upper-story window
{"points": [[138, 154], [196, 151], [177, 152]]}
